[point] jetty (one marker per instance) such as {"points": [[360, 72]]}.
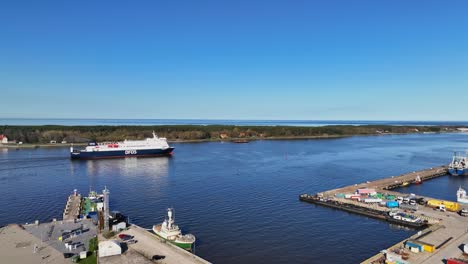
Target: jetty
{"points": [[441, 233], [72, 207]]}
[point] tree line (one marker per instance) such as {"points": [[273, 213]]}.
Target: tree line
{"points": [[81, 134]]}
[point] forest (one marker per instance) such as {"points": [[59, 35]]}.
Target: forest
{"points": [[82, 134]]}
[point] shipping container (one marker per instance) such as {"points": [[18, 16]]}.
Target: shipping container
{"points": [[413, 246], [392, 204], [372, 200], [366, 191], [451, 206], [428, 247]]}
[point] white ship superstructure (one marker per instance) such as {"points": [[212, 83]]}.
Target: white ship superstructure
{"points": [[461, 196], [154, 146]]}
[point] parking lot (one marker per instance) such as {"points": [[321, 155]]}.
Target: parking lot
{"points": [[55, 234]]}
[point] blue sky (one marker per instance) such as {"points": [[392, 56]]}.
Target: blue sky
{"points": [[347, 60]]}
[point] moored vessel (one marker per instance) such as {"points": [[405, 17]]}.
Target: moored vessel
{"points": [[418, 180], [149, 147], [459, 165], [171, 232], [461, 196], [405, 219]]}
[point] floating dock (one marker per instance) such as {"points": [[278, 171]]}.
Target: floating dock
{"points": [[444, 232]]}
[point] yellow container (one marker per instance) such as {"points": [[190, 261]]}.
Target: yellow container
{"points": [[451, 206], [428, 247]]}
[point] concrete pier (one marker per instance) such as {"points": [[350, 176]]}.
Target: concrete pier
{"points": [[73, 206], [149, 245], [447, 231]]}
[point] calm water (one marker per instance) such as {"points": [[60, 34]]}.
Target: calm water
{"points": [[240, 200], [147, 122]]}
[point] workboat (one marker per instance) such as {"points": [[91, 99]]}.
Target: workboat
{"points": [[149, 147], [405, 219], [171, 232], [461, 196], [418, 180], [459, 165]]}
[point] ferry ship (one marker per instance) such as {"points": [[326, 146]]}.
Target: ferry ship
{"points": [[169, 231], [149, 147], [459, 165]]}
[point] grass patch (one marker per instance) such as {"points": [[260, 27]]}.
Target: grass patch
{"points": [[93, 244], [89, 260], [108, 234]]}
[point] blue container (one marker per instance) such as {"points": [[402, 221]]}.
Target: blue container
{"points": [[410, 244], [392, 204]]}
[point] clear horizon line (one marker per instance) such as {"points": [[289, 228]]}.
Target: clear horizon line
{"points": [[229, 119]]}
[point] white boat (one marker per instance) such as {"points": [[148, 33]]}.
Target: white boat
{"points": [[169, 231], [461, 196], [459, 165]]}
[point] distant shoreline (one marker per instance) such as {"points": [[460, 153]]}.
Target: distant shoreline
{"points": [[230, 140]]}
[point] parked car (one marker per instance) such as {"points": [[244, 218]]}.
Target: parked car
{"points": [[158, 257], [131, 241], [125, 236]]}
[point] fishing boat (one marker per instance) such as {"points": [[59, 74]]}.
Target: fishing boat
{"points": [[171, 232], [461, 196], [459, 165]]}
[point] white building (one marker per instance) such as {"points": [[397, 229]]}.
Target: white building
{"points": [[3, 139], [119, 226], [109, 248]]}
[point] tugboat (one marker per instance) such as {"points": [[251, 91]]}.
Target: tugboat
{"points": [[171, 232], [461, 196], [417, 180]]}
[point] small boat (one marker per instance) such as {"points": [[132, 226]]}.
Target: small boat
{"points": [[405, 184], [417, 180], [169, 231], [461, 196]]}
